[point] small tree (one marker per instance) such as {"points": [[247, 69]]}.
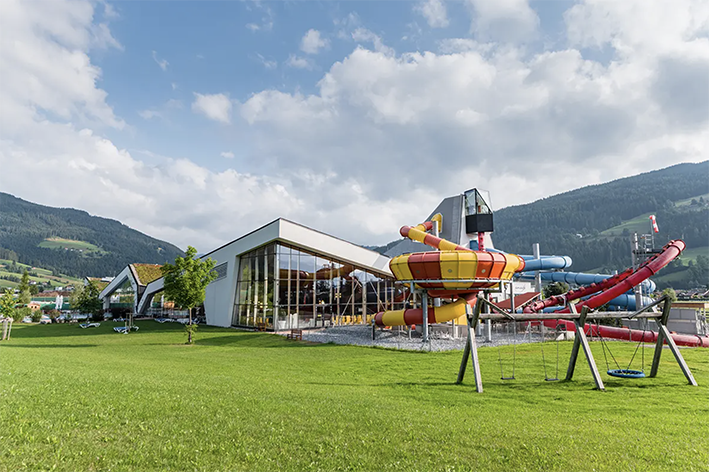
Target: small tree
{"points": [[24, 288], [186, 281], [7, 304], [670, 292], [85, 299], [556, 288]]}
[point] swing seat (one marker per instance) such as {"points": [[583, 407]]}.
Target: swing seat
{"points": [[626, 373]]}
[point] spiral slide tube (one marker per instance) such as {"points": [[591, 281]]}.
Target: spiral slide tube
{"points": [[413, 316], [453, 271]]}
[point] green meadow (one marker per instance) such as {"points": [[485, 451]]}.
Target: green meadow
{"points": [[73, 399]]}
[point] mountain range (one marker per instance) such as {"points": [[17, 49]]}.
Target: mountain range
{"points": [[72, 242]]}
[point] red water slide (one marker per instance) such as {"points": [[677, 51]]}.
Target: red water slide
{"points": [[611, 288]]}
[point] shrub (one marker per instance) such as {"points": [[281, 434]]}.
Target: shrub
{"points": [[20, 313], [190, 329], [36, 316], [53, 315]]}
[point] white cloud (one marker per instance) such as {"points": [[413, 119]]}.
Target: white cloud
{"points": [[162, 63], [313, 43], [216, 107], [269, 64], [504, 20], [149, 114], [162, 111], [173, 85], [227, 155], [298, 62], [434, 11], [266, 23], [363, 35]]}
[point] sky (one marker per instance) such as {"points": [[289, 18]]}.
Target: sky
{"points": [[197, 121]]}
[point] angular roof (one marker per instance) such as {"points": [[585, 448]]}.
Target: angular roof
{"points": [[146, 273], [286, 231], [98, 283]]}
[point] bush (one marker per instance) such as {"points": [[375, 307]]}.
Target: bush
{"points": [[190, 329], [96, 317], [36, 316], [53, 315], [20, 313]]}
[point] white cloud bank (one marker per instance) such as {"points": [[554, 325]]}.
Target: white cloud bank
{"points": [[385, 137]]}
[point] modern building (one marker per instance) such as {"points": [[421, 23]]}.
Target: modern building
{"points": [[126, 289], [285, 275]]}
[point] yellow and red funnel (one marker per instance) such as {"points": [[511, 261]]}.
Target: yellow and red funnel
{"points": [[454, 271]]}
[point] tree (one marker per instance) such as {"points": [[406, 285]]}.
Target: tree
{"points": [[670, 292], [556, 288], [7, 303], [86, 300], [186, 281], [24, 288]]}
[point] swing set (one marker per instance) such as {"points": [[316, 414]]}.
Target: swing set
{"points": [[486, 310], [547, 377]]}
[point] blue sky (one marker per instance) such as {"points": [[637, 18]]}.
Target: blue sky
{"points": [[215, 47], [196, 122]]}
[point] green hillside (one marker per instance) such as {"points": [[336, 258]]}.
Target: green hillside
{"points": [[73, 242], [11, 272], [593, 224], [70, 245]]}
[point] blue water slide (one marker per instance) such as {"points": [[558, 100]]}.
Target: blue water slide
{"points": [[619, 303], [546, 263]]}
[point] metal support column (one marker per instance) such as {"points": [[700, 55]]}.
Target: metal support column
{"points": [[471, 349], [581, 341], [664, 335], [424, 310], [537, 275]]}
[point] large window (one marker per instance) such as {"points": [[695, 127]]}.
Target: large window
{"points": [[282, 287]]}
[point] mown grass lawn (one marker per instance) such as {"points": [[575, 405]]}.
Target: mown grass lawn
{"points": [[73, 399]]}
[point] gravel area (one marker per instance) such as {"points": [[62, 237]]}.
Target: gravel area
{"points": [[397, 338]]}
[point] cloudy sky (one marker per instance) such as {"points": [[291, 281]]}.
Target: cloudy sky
{"points": [[196, 122]]}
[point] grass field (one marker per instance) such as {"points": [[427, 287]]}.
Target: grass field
{"points": [[688, 201], [61, 243], [639, 224], [690, 254], [75, 399], [43, 276]]}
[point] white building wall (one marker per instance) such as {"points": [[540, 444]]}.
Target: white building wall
{"points": [[220, 295]]}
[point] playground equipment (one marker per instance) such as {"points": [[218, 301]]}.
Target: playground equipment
{"points": [[474, 315], [467, 277]]}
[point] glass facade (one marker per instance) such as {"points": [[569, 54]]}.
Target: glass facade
{"points": [[282, 287]]}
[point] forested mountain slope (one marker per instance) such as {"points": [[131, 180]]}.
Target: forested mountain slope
{"points": [[580, 223], [72, 241]]}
